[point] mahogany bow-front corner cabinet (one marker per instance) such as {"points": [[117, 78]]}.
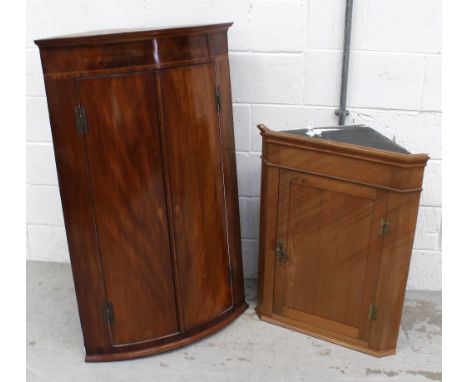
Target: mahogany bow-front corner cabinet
{"points": [[144, 145], [337, 223]]}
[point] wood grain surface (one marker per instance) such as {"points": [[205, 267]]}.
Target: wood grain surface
{"points": [[149, 191], [188, 113], [326, 202]]}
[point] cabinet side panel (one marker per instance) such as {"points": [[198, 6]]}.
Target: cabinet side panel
{"points": [[268, 227], [402, 211], [78, 213], [230, 177]]}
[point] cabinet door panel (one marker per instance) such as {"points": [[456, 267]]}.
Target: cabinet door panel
{"points": [[330, 230], [126, 179], [195, 171]]}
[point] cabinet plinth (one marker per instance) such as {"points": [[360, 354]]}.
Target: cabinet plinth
{"points": [[144, 145], [337, 222]]}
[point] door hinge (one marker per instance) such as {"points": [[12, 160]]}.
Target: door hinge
{"points": [[372, 312], [281, 253], [384, 226], [80, 120], [108, 312], [217, 99]]}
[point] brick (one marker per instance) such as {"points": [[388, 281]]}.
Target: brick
{"points": [[241, 126], [37, 120], [254, 218], [186, 12], [432, 87], [75, 17], [267, 78], [325, 26], [249, 217], [40, 164], [244, 216], [28, 246], [429, 229], [65, 18], [278, 26], [375, 80], [250, 258], [425, 271], [248, 174], [36, 21], [43, 205], [404, 26], [279, 117], [34, 78], [417, 132], [432, 184], [322, 78], [386, 81], [48, 243]]}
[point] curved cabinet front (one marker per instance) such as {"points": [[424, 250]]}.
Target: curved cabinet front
{"points": [[122, 151], [147, 176], [189, 117]]}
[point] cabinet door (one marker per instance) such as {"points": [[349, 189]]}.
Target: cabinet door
{"points": [[193, 146], [327, 253], [126, 181]]}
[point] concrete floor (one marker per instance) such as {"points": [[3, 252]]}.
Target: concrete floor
{"points": [[247, 350]]}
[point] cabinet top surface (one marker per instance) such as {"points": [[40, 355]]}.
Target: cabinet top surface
{"points": [[120, 35], [357, 141], [359, 135]]}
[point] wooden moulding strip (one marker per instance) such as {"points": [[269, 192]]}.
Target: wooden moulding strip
{"points": [[404, 191], [178, 341], [344, 149], [117, 36], [85, 73]]}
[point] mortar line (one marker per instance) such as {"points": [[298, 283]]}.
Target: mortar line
{"points": [[335, 50], [351, 108]]}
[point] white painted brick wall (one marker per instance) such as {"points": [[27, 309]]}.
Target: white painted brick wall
{"points": [[285, 69], [267, 78], [37, 120], [325, 24]]}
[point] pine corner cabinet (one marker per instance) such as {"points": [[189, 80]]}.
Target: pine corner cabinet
{"points": [[337, 222], [143, 139]]}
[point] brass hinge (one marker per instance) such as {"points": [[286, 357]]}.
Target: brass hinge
{"points": [[80, 120], [281, 253], [372, 312], [217, 99], [108, 312], [384, 226]]}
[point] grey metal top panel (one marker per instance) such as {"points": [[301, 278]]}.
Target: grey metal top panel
{"points": [[359, 135]]}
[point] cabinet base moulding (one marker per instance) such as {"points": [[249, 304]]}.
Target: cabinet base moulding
{"points": [[177, 341], [323, 335]]}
